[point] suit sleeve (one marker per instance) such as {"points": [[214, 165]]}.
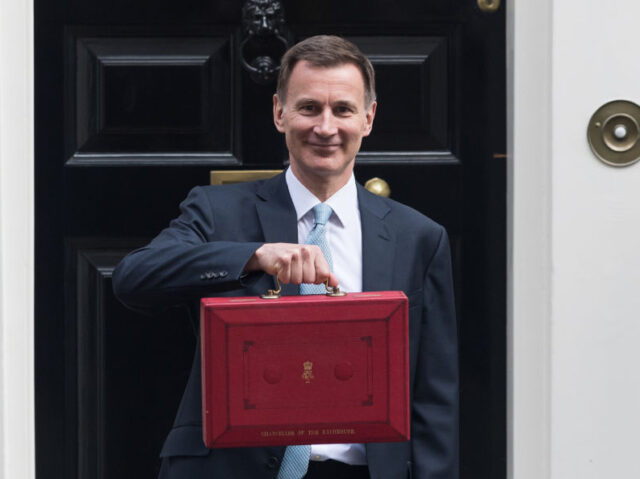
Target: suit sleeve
{"points": [[435, 398], [183, 262]]}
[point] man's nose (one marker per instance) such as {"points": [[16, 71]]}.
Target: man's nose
{"points": [[326, 125]]}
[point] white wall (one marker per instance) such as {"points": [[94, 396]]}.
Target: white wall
{"points": [[575, 258], [595, 244], [16, 240]]}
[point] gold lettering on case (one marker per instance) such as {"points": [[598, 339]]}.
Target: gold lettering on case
{"points": [[310, 432], [338, 432], [277, 433], [307, 373]]}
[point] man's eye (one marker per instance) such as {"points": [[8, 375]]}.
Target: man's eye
{"points": [[307, 108], [343, 110]]}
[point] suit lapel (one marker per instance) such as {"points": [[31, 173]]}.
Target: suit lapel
{"points": [[278, 217], [378, 243]]}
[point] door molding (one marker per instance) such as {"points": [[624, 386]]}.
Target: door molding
{"points": [[529, 203], [17, 436]]}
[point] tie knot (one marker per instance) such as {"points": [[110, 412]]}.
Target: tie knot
{"points": [[322, 212]]}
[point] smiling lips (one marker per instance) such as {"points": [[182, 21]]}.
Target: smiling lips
{"points": [[324, 146]]}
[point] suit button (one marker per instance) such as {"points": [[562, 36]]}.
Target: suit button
{"points": [[273, 462], [214, 275], [203, 276], [222, 274], [209, 274]]}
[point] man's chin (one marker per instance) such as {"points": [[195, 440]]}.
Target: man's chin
{"points": [[327, 167], [324, 166], [327, 151]]}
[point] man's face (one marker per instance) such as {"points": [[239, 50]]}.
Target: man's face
{"points": [[324, 120]]}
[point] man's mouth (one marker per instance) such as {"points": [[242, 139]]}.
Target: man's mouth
{"points": [[325, 145]]}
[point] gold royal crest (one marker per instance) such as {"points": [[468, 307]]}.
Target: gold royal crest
{"points": [[307, 373]]}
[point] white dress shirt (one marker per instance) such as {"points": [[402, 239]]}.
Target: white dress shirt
{"points": [[343, 233]]}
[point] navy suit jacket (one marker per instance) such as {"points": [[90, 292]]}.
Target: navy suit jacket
{"points": [[203, 253]]}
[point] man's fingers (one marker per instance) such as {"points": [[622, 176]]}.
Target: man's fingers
{"points": [[282, 271], [295, 261], [333, 280], [308, 266], [322, 268], [292, 263]]}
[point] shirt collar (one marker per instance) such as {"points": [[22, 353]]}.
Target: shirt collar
{"points": [[344, 202]]}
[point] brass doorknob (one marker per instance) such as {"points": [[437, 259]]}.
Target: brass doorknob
{"points": [[614, 133], [378, 186]]}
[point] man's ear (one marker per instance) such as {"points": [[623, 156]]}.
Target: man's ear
{"points": [[278, 113], [369, 116]]}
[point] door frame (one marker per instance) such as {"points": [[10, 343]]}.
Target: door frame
{"points": [[529, 46], [529, 208], [17, 410]]}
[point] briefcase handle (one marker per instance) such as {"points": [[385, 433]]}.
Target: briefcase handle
{"points": [[275, 293]]}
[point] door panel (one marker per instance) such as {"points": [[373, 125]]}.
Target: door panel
{"points": [[413, 119], [136, 102], [128, 372]]}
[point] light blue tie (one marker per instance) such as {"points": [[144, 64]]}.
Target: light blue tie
{"points": [[296, 458], [316, 236], [295, 462]]}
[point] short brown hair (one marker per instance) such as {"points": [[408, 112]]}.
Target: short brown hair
{"points": [[327, 51]]}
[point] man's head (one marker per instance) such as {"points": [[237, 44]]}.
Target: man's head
{"points": [[326, 51], [325, 105]]}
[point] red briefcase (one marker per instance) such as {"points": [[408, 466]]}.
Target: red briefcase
{"points": [[305, 369]]}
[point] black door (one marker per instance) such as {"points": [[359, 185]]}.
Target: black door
{"points": [[137, 101]]}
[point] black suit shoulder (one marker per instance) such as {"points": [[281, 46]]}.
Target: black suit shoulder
{"points": [[247, 188], [406, 223], [412, 217], [224, 196]]}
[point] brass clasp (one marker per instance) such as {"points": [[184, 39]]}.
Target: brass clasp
{"points": [[273, 293], [333, 291]]}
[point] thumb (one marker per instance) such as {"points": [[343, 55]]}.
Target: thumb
{"points": [[333, 280]]}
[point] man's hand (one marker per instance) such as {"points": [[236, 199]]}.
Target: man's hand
{"points": [[292, 263]]}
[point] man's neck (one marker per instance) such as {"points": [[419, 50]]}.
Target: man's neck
{"points": [[322, 187]]}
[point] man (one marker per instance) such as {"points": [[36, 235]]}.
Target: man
{"points": [[230, 240]]}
